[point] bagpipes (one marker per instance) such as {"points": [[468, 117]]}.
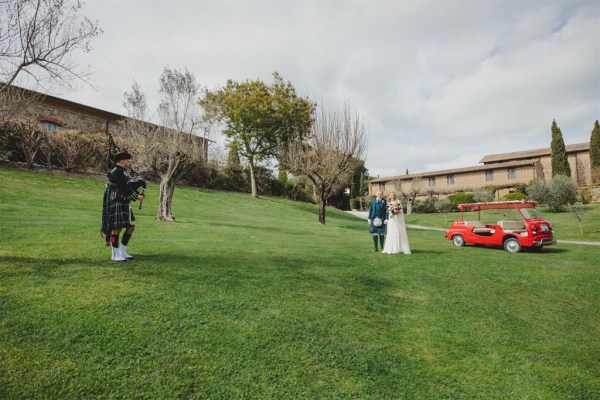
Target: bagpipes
{"points": [[113, 149], [136, 185]]}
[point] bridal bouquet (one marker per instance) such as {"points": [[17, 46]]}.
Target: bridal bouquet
{"points": [[395, 207]]}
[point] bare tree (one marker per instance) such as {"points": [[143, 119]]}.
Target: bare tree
{"points": [[171, 150], [135, 102], [39, 37], [410, 193], [330, 155]]}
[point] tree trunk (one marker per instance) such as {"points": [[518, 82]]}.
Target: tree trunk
{"points": [[322, 201], [409, 204], [167, 187], [252, 179]]}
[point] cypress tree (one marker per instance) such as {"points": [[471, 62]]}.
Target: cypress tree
{"points": [[595, 146], [560, 162], [233, 158], [595, 153]]}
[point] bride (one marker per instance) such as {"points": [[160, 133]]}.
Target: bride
{"points": [[396, 240]]}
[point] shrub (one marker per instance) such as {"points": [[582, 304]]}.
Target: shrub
{"points": [[355, 204], [31, 139], [483, 195], [425, 206], [562, 191], [75, 151], [298, 190], [585, 197], [10, 142], [442, 205], [538, 191], [96, 156], [521, 188], [460, 198], [277, 187], [514, 196], [203, 174], [263, 177]]}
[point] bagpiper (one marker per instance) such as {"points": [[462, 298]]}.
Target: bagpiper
{"points": [[120, 191]]}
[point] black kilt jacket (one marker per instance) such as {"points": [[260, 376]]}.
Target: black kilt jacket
{"points": [[116, 211]]}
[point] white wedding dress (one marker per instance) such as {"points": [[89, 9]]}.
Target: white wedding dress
{"points": [[396, 239]]}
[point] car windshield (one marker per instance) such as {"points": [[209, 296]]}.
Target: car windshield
{"points": [[531, 213]]}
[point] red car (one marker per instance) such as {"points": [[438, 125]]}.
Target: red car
{"points": [[525, 227]]}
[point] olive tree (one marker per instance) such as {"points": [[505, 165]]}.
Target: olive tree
{"points": [[410, 192], [171, 149], [562, 191], [483, 195], [538, 191]]}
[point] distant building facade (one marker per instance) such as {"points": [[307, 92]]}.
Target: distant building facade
{"points": [[55, 113], [506, 170]]}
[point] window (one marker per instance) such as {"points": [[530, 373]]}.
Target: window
{"points": [[382, 186], [50, 125], [489, 175], [512, 173], [432, 181], [450, 179]]}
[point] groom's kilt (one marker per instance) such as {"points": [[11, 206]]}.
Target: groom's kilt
{"points": [[377, 230], [120, 215]]}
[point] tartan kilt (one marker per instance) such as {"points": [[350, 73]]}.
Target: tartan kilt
{"points": [[377, 230], [120, 216]]}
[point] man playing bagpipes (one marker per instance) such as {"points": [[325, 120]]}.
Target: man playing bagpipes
{"points": [[121, 190]]}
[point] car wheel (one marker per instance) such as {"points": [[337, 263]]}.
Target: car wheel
{"points": [[512, 245], [458, 240]]}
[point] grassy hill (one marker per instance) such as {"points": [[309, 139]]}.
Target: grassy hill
{"points": [[252, 298]]}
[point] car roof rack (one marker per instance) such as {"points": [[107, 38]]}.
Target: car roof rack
{"points": [[497, 205]]}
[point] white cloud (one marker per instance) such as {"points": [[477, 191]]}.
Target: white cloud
{"points": [[440, 84]]}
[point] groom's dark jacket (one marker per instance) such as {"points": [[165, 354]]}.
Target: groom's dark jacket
{"points": [[378, 209]]}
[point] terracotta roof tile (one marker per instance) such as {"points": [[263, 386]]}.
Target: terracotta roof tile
{"points": [[455, 171], [531, 153]]}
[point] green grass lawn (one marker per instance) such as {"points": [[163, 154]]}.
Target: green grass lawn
{"points": [[566, 226], [252, 298]]}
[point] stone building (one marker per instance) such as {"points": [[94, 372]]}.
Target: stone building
{"points": [[506, 170], [56, 113]]}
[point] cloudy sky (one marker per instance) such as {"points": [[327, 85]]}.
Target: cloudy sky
{"points": [[439, 83]]}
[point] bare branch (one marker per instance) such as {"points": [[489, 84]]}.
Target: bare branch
{"points": [[331, 154], [39, 37]]}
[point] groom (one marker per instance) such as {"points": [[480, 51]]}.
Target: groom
{"points": [[378, 211]]}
